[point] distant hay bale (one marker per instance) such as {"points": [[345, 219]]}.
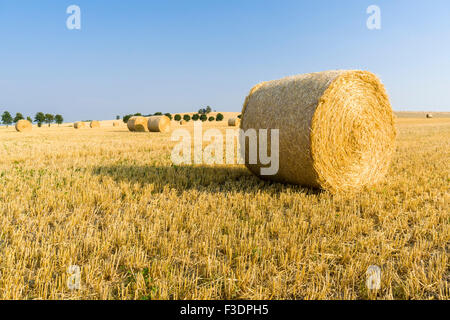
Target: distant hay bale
{"points": [[234, 122], [130, 124], [116, 124], [79, 125], [137, 124], [182, 122], [23, 126], [336, 128], [429, 116], [159, 124], [95, 124]]}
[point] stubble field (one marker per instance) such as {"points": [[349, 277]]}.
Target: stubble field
{"points": [[111, 202]]}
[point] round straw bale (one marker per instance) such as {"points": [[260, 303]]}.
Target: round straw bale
{"points": [[79, 125], [95, 124], [138, 124], [116, 124], [159, 124], [130, 123], [429, 116], [182, 122], [234, 122], [23, 126], [336, 128]]}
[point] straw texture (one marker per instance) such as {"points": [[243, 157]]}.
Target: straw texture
{"points": [[79, 125], [137, 124], [159, 124], [130, 123], [336, 128], [234, 122], [23, 126], [95, 124]]}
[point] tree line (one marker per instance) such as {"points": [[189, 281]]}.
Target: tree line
{"points": [[201, 115], [39, 118]]}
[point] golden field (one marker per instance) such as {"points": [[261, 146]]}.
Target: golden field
{"points": [[111, 202]]}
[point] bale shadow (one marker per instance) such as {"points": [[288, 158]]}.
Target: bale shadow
{"points": [[201, 178]]}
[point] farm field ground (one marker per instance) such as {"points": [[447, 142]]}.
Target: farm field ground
{"points": [[111, 202]]}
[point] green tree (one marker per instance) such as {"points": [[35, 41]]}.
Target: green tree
{"points": [[117, 117], [18, 117], [195, 117], [126, 118], [219, 117], [39, 118], [187, 117], [7, 118], [208, 109], [59, 119], [29, 119], [157, 114], [177, 117], [49, 118], [203, 117], [240, 116], [168, 115], [211, 119]]}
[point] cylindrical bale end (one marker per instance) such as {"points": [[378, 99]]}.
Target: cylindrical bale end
{"points": [[336, 128], [159, 124], [137, 124], [234, 122], [79, 125], [23, 126], [94, 124]]}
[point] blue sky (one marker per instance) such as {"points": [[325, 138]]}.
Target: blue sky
{"points": [[178, 56]]}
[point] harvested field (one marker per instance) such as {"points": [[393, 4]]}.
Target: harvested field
{"points": [[112, 202]]}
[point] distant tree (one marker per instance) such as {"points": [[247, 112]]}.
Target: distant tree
{"points": [[195, 117], [137, 114], [29, 119], [211, 119], [177, 117], [157, 114], [126, 118], [186, 117], [208, 109], [203, 117], [219, 117], [168, 115], [49, 118], [7, 118], [201, 111], [59, 119], [240, 116], [117, 117], [18, 117], [39, 118]]}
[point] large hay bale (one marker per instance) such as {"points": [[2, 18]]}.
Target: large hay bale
{"points": [[137, 124], [130, 124], [429, 116], [23, 126], [336, 128], [234, 122], [79, 125], [159, 124], [95, 124]]}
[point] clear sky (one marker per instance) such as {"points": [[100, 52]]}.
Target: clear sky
{"points": [[177, 56]]}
